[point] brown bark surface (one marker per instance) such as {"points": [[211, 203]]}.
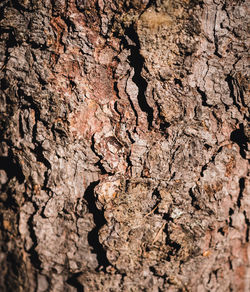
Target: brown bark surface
{"points": [[123, 145]]}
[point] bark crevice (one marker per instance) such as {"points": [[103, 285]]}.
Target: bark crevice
{"points": [[34, 256], [238, 136], [100, 221], [137, 62], [74, 282]]}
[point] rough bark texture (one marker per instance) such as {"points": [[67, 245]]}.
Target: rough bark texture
{"points": [[124, 145]]}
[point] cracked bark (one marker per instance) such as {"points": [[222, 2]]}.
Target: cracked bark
{"points": [[124, 145]]}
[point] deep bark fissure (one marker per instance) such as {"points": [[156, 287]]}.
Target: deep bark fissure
{"points": [[74, 282], [204, 167], [230, 213], [203, 97], [153, 270], [21, 126], [116, 109], [137, 62], [99, 220], [194, 201], [12, 168], [34, 256], [247, 221], [157, 197], [130, 137], [242, 187], [238, 136]]}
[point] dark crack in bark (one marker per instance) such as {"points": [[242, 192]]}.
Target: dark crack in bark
{"points": [[247, 221], [242, 187], [99, 220], [34, 256], [11, 167], [203, 97], [137, 62], [74, 282], [238, 136], [194, 201]]}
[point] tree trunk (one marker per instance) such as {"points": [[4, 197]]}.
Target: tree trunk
{"points": [[124, 163]]}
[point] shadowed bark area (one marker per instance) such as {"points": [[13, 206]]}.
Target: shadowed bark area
{"points": [[124, 145]]}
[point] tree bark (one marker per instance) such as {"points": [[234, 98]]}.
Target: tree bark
{"points": [[123, 149]]}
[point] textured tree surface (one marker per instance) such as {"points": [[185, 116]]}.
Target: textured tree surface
{"points": [[123, 145]]}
